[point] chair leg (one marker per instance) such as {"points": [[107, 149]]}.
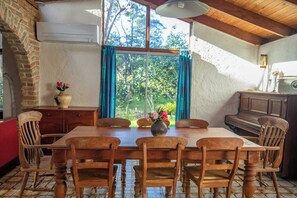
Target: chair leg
{"points": [[274, 178], [24, 182], [260, 179], [168, 192], [123, 175], [200, 192], [143, 188], [187, 180], [110, 190], [136, 187], [228, 193], [113, 188], [215, 192], [36, 174]]}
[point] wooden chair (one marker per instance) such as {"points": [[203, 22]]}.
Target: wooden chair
{"points": [[113, 122], [117, 122], [189, 123], [144, 123], [160, 172], [272, 137], [31, 157], [89, 166], [214, 175]]}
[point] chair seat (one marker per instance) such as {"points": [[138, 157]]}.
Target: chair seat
{"points": [[210, 176], [45, 161], [93, 177], [156, 173], [259, 167]]}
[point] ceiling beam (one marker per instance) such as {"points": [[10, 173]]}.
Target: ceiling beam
{"points": [[292, 1], [251, 17], [229, 29], [33, 3]]}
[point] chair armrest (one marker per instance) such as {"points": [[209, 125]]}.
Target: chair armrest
{"points": [[271, 148], [52, 135], [37, 146], [251, 138]]}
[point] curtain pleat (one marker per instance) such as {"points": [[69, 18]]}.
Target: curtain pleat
{"points": [[183, 100], [108, 82]]}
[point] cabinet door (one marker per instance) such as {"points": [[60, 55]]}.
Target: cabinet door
{"points": [[78, 118], [51, 122]]}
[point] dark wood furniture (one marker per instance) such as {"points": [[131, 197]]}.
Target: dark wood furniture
{"points": [[113, 122], [129, 150], [56, 120], [272, 135], [156, 173], [256, 104], [31, 157], [214, 175], [89, 171]]}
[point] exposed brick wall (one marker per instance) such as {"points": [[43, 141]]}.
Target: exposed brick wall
{"points": [[17, 25]]}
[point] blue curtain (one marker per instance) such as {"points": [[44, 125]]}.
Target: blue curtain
{"points": [[183, 99], [108, 82]]}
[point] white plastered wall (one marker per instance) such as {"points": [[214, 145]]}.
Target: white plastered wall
{"points": [[78, 64], [222, 65], [282, 56]]}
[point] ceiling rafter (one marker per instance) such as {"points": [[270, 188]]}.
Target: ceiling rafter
{"points": [[292, 1], [206, 20], [274, 30], [251, 17], [231, 30]]}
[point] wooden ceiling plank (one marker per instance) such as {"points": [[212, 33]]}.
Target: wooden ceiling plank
{"points": [[229, 29], [251, 17]]}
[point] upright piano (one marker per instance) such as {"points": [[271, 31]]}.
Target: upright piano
{"points": [[255, 104]]}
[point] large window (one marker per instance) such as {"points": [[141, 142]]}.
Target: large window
{"points": [[145, 82], [147, 56]]}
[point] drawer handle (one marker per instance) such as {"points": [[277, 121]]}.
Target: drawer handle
{"points": [[78, 115]]}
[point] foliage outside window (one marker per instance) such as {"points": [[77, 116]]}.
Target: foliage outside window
{"points": [[146, 80]]}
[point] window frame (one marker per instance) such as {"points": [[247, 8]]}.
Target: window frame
{"points": [[147, 48]]}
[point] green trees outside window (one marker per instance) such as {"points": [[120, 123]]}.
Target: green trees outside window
{"points": [[146, 70]]}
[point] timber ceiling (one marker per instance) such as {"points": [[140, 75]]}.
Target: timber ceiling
{"points": [[255, 21]]}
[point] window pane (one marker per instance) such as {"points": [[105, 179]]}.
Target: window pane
{"points": [[130, 85], [142, 89], [128, 28], [162, 86], [168, 33]]}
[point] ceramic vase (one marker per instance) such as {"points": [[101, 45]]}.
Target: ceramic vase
{"points": [[63, 100], [159, 128]]}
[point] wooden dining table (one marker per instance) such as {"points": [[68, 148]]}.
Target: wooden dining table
{"points": [[128, 150]]}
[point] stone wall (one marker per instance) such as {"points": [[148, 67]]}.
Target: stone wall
{"points": [[17, 25]]}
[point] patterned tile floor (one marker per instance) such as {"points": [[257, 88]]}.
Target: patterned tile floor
{"points": [[11, 182]]}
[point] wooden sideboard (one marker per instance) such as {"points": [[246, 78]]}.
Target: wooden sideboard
{"points": [[255, 104], [55, 120]]}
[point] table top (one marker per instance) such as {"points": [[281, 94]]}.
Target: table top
{"points": [[128, 136]]}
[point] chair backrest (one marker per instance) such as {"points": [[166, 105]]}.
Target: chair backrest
{"points": [[225, 145], [145, 123], [155, 146], [92, 152], [191, 123], [29, 134], [272, 134], [113, 122]]}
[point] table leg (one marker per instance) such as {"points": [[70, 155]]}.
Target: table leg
{"points": [[60, 174], [250, 174]]}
